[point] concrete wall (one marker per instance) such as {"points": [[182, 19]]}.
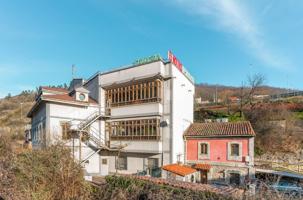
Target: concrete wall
{"points": [[144, 109], [182, 113], [130, 73], [136, 162]]}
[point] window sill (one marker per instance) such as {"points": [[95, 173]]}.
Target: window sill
{"points": [[234, 158], [203, 157]]}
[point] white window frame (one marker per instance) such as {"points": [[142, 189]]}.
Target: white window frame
{"points": [[203, 156], [231, 157]]}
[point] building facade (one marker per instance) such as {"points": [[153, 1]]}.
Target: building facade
{"points": [[133, 117], [221, 151]]}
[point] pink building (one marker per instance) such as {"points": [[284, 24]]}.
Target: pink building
{"points": [[222, 152]]}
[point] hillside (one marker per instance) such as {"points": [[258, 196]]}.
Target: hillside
{"points": [[207, 91], [13, 112]]}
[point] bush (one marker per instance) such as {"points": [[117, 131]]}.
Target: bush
{"points": [[51, 173], [126, 187], [45, 174]]}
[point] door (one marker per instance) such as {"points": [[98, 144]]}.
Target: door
{"points": [[234, 179], [104, 166], [203, 176]]}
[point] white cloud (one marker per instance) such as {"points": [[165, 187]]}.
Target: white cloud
{"points": [[233, 17]]}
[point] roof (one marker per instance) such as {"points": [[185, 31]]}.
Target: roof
{"points": [[181, 170], [61, 98], [55, 89], [67, 98], [202, 166], [242, 128]]}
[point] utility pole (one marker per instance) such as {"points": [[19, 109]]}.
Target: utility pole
{"points": [[216, 94], [21, 111]]}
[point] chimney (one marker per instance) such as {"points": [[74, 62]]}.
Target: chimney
{"points": [[76, 82]]}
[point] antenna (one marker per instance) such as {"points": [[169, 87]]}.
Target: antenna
{"points": [[73, 71]]}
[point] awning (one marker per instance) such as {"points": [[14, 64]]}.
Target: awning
{"points": [[202, 166], [181, 170]]}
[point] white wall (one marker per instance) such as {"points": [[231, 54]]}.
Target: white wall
{"points": [[137, 110], [183, 106], [75, 114], [133, 72]]}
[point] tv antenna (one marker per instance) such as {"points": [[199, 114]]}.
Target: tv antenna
{"points": [[73, 71]]}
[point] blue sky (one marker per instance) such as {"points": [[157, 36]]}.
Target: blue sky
{"points": [[220, 42]]}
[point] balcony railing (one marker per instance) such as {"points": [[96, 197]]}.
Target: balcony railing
{"points": [[135, 137]]}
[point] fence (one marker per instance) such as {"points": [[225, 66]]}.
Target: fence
{"points": [[280, 166]]}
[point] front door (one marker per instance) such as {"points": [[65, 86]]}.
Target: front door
{"points": [[104, 166], [203, 176]]}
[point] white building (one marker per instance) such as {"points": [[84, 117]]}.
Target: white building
{"points": [[131, 119]]}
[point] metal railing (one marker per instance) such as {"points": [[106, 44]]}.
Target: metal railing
{"points": [[280, 166]]}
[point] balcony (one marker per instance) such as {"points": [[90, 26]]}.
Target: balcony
{"points": [[136, 93]]}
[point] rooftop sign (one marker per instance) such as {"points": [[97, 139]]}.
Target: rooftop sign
{"points": [[174, 60], [149, 59], [178, 64]]}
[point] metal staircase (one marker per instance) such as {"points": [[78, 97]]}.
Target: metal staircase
{"points": [[94, 139]]}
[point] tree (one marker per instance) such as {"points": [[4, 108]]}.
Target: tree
{"points": [[255, 82]]}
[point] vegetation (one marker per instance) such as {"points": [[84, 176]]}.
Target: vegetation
{"points": [[124, 188], [13, 112], [45, 174], [299, 115]]}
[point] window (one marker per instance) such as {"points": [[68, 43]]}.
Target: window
{"points": [[203, 150], [152, 163], [234, 149], [149, 91], [122, 163], [104, 161], [144, 129], [66, 132], [82, 97]]}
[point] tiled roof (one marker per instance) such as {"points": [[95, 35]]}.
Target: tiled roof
{"points": [[66, 98], [54, 89], [202, 166], [243, 128], [181, 170]]}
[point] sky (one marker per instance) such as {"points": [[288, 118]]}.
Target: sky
{"points": [[218, 41]]}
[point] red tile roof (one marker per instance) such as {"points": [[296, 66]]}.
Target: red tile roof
{"points": [[66, 98], [243, 128], [54, 89], [202, 166], [181, 170]]}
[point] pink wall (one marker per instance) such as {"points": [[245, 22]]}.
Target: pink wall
{"points": [[218, 148]]}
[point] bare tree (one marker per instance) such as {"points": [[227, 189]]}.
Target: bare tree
{"points": [[255, 82]]}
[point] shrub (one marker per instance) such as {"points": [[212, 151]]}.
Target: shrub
{"points": [[50, 173]]}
